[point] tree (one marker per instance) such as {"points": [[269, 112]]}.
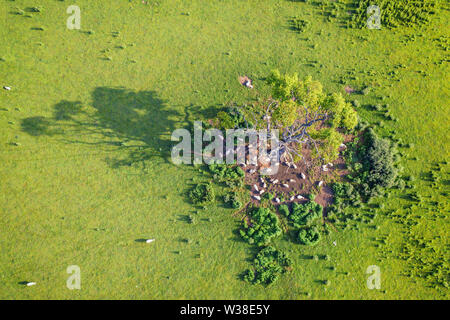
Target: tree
{"points": [[305, 116]]}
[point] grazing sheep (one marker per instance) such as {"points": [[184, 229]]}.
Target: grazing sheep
{"points": [[320, 183], [261, 191], [324, 168], [285, 185], [294, 166], [7, 88], [29, 284], [343, 146], [257, 198], [291, 180], [256, 187], [291, 198], [149, 240], [330, 164], [300, 197], [275, 181], [277, 200], [303, 176]]}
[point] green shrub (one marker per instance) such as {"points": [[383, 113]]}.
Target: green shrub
{"points": [[284, 210], [202, 193], [309, 236], [268, 265], [303, 214], [232, 199], [262, 227]]}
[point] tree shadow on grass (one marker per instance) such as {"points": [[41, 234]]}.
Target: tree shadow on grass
{"points": [[138, 123]]}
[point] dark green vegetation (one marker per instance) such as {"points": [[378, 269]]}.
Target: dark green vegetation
{"points": [[304, 214], [309, 236], [262, 226], [202, 193], [373, 166], [268, 265], [85, 188]]}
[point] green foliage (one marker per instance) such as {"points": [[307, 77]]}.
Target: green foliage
{"points": [[284, 210], [330, 140], [309, 236], [202, 193], [343, 114], [303, 214], [232, 175], [263, 226], [283, 86], [231, 118], [309, 93], [268, 265], [378, 170], [344, 195], [232, 199], [286, 113]]}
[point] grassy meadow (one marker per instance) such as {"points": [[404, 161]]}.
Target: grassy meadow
{"points": [[85, 170]]}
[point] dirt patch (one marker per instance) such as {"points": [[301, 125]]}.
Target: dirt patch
{"points": [[295, 183]]}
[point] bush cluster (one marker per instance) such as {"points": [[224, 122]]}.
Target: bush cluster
{"points": [[262, 227], [232, 199], [303, 214], [202, 193], [231, 118], [268, 265], [373, 165], [232, 175], [309, 236]]}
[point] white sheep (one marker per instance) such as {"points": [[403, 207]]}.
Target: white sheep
{"points": [[149, 240]]}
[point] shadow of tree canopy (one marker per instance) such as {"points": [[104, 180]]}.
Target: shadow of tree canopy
{"points": [[138, 122]]}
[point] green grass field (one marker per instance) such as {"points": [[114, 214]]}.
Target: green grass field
{"points": [[85, 148]]}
